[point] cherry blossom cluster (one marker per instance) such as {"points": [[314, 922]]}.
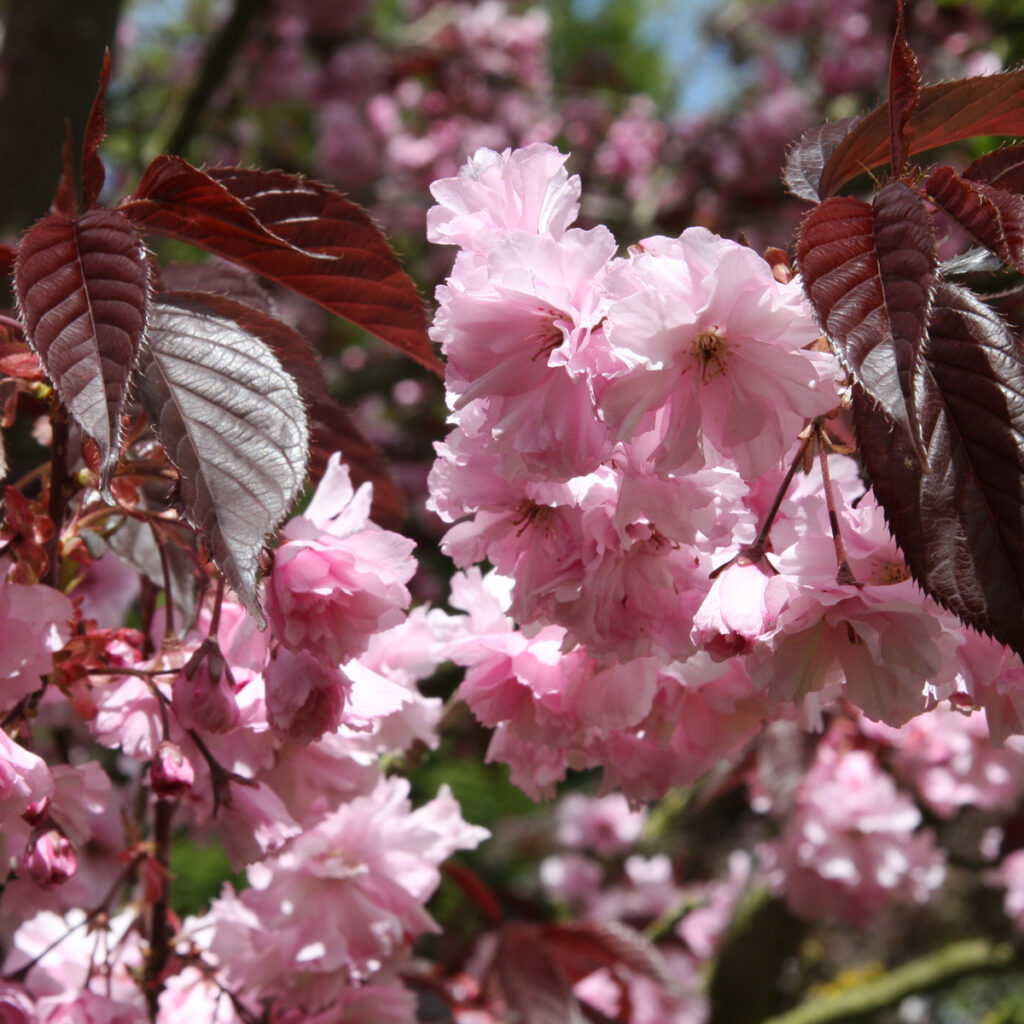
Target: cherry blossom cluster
{"points": [[648, 450], [270, 741]]}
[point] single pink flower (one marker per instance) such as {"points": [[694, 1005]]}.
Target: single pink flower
{"points": [[338, 578]]}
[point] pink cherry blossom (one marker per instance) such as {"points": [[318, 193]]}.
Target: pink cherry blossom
{"points": [[741, 608], [605, 825], [853, 845], [341, 899], [338, 578], [525, 189], [305, 698], [946, 756], [716, 350]]}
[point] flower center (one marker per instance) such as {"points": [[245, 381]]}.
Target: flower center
{"points": [[710, 350], [548, 335], [886, 574]]}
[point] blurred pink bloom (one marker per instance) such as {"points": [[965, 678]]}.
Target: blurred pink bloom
{"points": [[947, 756], [49, 860], [852, 846], [34, 625], [604, 825]]}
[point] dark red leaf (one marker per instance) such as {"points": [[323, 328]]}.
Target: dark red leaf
{"points": [[299, 233], [220, 278], [584, 946], [475, 888], [1002, 168], [904, 90], [992, 217], [6, 260], [868, 271], [83, 290], [961, 527], [233, 424], [949, 112], [330, 427], [533, 984], [93, 174], [806, 158]]}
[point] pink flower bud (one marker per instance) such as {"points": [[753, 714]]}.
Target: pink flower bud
{"points": [[170, 772], [203, 698], [50, 859]]}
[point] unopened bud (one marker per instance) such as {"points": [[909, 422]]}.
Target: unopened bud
{"points": [[170, 773], [49, 859], [203, 698]]}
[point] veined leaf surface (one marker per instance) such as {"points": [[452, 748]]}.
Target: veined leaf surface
{"points": [[299, 233], [868, 270], [961, 527], [83, 291], [232, 422]]}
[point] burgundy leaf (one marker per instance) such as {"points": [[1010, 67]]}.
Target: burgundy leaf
{"points": [[330, 427], [904, 90], [582, 947], [1002, 168], [868, 271], [961, 528], [93, 174], [299, 233], [83, 290], [807, 157], [533, 984], [220, 278], [992, 217], [949, 112], [6, 260], [233, 424]]}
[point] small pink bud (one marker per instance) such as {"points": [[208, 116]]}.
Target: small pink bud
{"points": [[50, 859], [170, 773], [203, 698]]}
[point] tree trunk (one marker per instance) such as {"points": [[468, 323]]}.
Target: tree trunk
{"points": [[49, 70]]}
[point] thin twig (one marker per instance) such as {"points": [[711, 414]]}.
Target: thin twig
{"points": [[756, 551], [60, 490], [844, 574], [159, 928], [101, 908]]}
